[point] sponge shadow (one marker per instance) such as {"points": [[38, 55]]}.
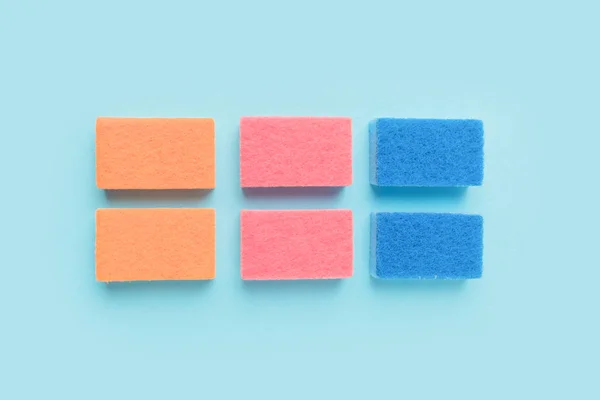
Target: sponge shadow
{"points": [[156, 287], [284, 192], [178, 195], [415, 285], [307, 287], [419, 192]]}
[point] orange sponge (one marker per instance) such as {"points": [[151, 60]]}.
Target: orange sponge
{"points": [[155, 153], [155, 244]]}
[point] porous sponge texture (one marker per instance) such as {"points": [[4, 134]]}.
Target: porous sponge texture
{"points": [[155, 244], [155, 153], [426, 246], [296, 244], [295, 151], [426, 152]]}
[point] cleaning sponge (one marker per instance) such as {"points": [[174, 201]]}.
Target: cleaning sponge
{"points": [[298, 244], [155, 153], [426, 246], [155, 244], [426, 152], [295, 151]]}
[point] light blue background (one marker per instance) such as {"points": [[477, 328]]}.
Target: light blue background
{"points": [[528, 69]]}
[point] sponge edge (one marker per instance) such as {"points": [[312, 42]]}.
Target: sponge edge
{"points": [[295, 151], [296, 244], [426, 152], [426, 246]]}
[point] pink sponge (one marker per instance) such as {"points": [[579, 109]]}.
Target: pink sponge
{"points": [[311, 244], [295, 151]]}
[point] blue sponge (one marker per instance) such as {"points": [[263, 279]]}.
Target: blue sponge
{"points": [[426, 152], [426, 246]]}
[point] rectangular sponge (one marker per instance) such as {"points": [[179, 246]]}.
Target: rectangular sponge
{"points": [[155, 244], [300, 244], [295, 151], [155, 153], [426, 246], [426, 152]]}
